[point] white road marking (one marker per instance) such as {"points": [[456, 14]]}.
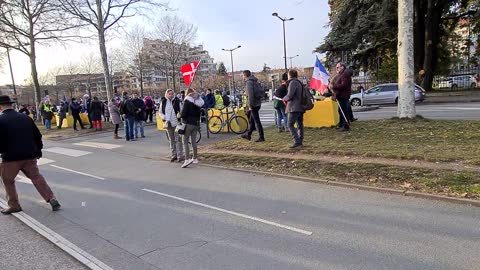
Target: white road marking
{"points": [[232, 213], [107, 146], [77, 172], [23, 179], [67, 151], [44, 161], [67, 246]]}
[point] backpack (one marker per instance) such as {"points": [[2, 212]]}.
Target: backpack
{"points": [[307, 99], [226, 101], [258, 92], [149, 103]]}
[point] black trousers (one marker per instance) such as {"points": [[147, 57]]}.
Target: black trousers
{"points": [[254, 122], [76, 117]]}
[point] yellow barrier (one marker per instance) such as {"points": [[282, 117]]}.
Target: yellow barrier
{"points": [[67, 122], [159, 122], [323, 114], [240, 112]]}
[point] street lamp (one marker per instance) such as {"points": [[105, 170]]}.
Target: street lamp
{"points": [[284, 38], [233, 74], [291, 57]]}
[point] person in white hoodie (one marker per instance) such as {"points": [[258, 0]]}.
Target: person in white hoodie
{"points": [[190, 116], [169, 108]]}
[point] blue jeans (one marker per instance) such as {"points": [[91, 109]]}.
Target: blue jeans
{"points": [[139, 124], [345, 106], [48, 124], [297, 134], [281, 115], [129, 126]]}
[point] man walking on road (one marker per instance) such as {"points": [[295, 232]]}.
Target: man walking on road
{"points": [[253, 105], [294, 108], [20, 146]]}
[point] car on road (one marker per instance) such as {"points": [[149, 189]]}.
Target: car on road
{"points": [[383, 94], [453, 83]]}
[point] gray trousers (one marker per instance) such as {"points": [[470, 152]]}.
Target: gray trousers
{"points": [[176, 146], [190, 135]]}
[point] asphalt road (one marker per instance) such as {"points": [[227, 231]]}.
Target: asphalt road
{"points": [[132, 211], [444, 111]]}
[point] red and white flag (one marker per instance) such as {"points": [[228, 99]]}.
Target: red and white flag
{"points": [[188, 72]]}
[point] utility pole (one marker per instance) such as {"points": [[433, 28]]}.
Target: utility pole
{"points": [[284, 37]]}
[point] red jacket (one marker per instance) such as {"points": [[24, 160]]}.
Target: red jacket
{"points": [[343, 85]]}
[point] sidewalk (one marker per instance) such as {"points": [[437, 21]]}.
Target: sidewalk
{"points": [[23, 248]]}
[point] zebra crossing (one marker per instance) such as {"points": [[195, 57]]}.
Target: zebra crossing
{"points": [[267, 115], [70, 153]]}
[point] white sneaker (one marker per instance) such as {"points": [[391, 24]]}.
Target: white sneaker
{"points": [[195, 161], [187, 162]]}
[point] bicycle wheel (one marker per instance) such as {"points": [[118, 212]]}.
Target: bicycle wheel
{"points": [[238, 124], [166, 135], [199, 135], [215, 124]]}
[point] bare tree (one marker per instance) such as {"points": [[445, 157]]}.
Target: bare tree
{"points": [[406, 85], [71, 70], [26, 23], [91, 65], [136, 53], [177, 35], [104, 15]]}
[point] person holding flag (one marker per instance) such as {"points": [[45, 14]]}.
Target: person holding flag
{"points": [[342, 89]]}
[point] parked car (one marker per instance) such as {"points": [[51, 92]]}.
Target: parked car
{"points": [[453, 83], [383, 94]]}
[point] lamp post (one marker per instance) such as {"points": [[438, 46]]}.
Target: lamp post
{"points": [[233, 74], [284, 37], [291, 57]]}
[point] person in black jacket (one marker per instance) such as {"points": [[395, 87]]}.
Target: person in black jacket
{"points": [[190, 115], [140, 115], [20, 147], [75, 108], [279, 105], [62, 113], [95, 111], [128, 112]]}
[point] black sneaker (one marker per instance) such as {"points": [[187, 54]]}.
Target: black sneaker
{"points": [[55, 205], [246, 137], [173, 159], [296, 145], [260, 140]]}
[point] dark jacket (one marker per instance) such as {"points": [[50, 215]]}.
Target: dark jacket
{"points": [[96, 110], [63, 110], [209, 101], [281, 92], [47, 111], [24, 111], [190, 113], [140, 114], [20, 138], [127, 108], [75, 108], [294, 96], [250, 86], [342, 86]]}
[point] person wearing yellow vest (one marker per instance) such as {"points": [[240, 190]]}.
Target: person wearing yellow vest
{"points": [[47, 114], [219, 100]]}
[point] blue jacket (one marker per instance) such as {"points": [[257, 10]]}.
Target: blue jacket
{"points": [[209, 101]]}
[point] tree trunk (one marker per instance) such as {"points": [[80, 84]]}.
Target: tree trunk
{"points": [[406, 85], [103, 50], [36, 83], [432, 27], [173, 78], [419, 39]]}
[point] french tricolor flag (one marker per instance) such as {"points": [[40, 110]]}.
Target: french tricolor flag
{"points": [[320, 78]]}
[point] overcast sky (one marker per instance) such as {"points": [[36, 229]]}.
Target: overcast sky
{"points": [[221, 24]]}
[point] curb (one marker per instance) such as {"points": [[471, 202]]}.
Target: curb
{"points": [[413, 194], [68, 247], [365, 109], [426, 101]]}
